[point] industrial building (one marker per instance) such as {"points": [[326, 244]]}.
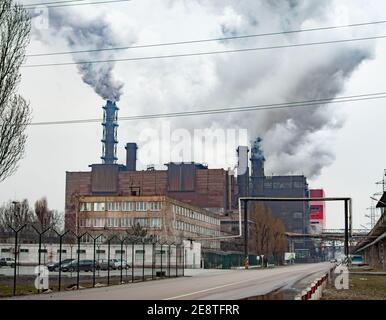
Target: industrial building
{"points": [[184, 201], [373, 246], [211, 193], [163, 218], [317, 212]]}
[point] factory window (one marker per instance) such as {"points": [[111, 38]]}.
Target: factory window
{"points": [[81, 251], [113, 206], [128, 206], [63, 251], [110, 222], [99, 251], [140, 206], [26, 250], [85, 206], [88, 223], [116, 222], [119, 251], [99, 223], [99, 206], [155, 223], [125, 222], [155, 206], [82, 222], [141, 222], [268, 185]]}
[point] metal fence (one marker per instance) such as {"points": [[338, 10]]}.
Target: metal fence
{"points": [[96, 260], [226, 260]]}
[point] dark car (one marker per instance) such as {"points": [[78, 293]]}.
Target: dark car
{"points": [[84, 265], [55, 265], [7, 262]]}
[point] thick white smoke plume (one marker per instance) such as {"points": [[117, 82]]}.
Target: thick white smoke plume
{"points": [[294, 140], [84, 32]]}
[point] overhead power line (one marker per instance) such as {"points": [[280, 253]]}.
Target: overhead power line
{"points": [[210, 40], [74, 4], [204, 53], [207, 111], [36, 4]]}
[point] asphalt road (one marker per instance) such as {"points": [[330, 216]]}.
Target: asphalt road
{"points": [[202, 284]]}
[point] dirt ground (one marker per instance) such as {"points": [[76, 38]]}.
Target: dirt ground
{"points": [[362, 287]]}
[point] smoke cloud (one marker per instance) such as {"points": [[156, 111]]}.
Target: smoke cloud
{"points": [[84, 32], [295, 140]]}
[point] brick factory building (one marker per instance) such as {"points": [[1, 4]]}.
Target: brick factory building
{"points": [[163, 218], [190, 183]]}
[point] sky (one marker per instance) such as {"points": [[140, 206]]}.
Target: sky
{"points": [[337, 146]]}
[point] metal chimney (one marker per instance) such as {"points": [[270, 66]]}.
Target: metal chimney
{"points": [[131, 156], [110, 124], [243, 171], [257, 159]]}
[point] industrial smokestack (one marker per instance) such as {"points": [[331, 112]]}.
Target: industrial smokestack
{"points": [[257, 159], [110, 124], [131, 156], [243, 171]]}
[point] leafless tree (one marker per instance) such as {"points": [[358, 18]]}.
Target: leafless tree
{"points": [[15, 26], [15, 214], [270, 233]]}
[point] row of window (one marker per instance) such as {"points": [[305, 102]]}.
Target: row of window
{"points": [[181, 225], [121, 222], [195, 215], [121, 206]]}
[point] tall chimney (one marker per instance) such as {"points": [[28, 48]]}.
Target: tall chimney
{"points": [[243, 171], [110, 124], [258, 175], [257, 159], [131, 156]]}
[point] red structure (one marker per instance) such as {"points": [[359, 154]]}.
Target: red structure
{"points": [[317, 211]]}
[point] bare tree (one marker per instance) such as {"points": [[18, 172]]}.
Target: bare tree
{"points": [[46, 218], [270, 233], [15, 27], [15, 214]]}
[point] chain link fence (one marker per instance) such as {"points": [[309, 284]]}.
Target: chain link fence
{"points": [[36, 260]]}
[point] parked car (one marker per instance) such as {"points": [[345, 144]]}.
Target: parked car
{"points": [[7, 262], [55, 265], [84, 265], [120, 264], [113, 264]]}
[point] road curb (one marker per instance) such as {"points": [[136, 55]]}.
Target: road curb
{"points": [[315, 290]]}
